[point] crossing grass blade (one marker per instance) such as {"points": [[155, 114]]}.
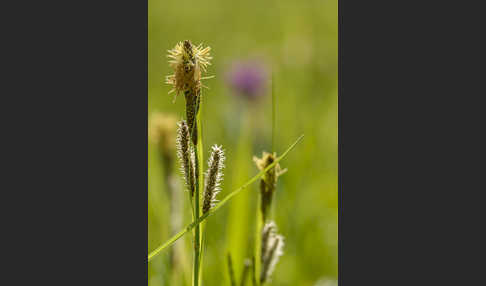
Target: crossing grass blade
{"points": [[189, 227]]}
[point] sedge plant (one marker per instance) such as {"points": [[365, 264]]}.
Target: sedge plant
{"points": [[189, 62]]}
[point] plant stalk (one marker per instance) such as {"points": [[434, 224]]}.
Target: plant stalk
{"points": [[258, 242], [198, 152], [197, 236]]}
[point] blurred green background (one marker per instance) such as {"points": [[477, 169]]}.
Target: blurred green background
{"points": [[297, 40]]}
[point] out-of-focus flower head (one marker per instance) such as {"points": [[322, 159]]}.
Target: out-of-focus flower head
{"points": [[247, 78], [162, 131]]}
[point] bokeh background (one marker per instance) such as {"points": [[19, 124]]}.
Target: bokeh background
{"points": [[296, 41]]}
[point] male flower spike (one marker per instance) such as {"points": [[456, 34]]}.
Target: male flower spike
{"points": [[187, 61]]}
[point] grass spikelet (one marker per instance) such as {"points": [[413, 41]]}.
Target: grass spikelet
{"points": [[272, 249], [185, 153], [213, 177]]}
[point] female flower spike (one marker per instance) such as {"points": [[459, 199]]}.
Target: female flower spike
{"points": [[186, 156], [272, 249], [214, 177]]}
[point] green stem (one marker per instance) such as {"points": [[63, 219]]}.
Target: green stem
{"points": [[201, 249], [231, 271], [258, 242], [197, 237], [273, 114], [198, 152], [244, 273], [253, 271], [200, 184]]}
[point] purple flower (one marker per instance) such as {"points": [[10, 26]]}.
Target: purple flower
{"points": [[247, 78]]}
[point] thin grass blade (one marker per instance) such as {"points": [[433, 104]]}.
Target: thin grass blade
{"points": [[189, 227]]}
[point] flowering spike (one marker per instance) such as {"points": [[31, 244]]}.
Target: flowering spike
{"points": [[214, 176], [272, 249], [187, 61], [185, 153]]}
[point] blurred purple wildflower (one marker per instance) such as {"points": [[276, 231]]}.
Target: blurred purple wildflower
{"points": [[247, 78]]}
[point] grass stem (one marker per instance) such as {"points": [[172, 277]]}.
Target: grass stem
{"points": [[273, 113], [198, 152], [197, 237], [231, 271]]}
